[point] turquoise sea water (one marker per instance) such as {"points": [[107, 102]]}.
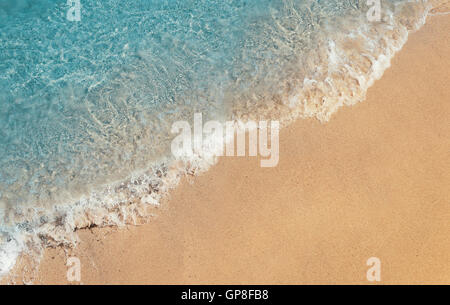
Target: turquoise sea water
{"points": [[86, 107]]}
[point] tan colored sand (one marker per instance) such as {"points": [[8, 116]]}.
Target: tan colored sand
{"points": [[375, 181]]}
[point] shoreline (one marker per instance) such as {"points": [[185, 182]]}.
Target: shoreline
{"points": [[335, 188]]}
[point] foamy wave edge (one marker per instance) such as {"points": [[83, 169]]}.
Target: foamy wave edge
{"points": [[342, 66]]}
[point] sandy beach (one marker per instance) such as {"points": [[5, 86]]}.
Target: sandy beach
{"points": [[372, 182]]}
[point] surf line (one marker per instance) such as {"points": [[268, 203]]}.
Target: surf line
{"points": [[210, 139]]}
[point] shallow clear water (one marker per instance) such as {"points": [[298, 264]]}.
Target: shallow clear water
{"points": [[85, 105]]}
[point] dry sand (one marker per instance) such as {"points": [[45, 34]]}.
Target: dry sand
{"points": [[374, 181]]}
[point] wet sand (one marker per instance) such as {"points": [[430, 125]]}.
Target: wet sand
{"points": [[373, 182]]}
